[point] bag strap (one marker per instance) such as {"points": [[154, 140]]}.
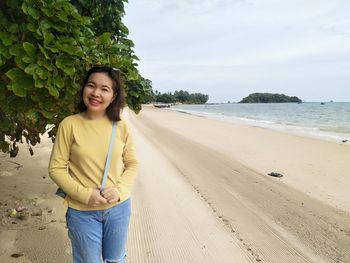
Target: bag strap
{"points": [[109, 155]]}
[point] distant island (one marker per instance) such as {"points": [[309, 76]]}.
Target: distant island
{"points": [[269, 98]]}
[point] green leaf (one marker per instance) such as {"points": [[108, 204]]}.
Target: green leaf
{"points": [[19, 63], [31, 69], [13, 28], [21, 82], [24, 8], [4, 51], [133, 93], [105, 38], [30, 49], [14, 74], [48, 11], [53, 49], [48, 114], [43, 51], [47, 64], [38, 31], [5, 39], [58, 81], [15, 50], [48, 38], [31, 27], [72, 50], [62, 16], [39, 83], [132, 75], [60, 27], [17, 90], [45, 25], [33, 12], [27, 59], [69, 71], [41, 72], [53, 91], [66, 63]]}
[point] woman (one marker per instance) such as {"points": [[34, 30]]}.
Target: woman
{"points": [[97, 219]]}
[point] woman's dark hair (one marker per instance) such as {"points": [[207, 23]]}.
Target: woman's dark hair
{"points": [[114, 109]]}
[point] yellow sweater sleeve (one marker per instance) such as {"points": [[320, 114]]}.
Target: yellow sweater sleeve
{"points": [[131, 166], [58, 166]]}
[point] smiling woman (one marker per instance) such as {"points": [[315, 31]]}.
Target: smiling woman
{"points": [[98, 94], [102, 93], [95, 213]]}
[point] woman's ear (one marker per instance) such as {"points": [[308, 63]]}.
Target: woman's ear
{"points": [[113, 98]]}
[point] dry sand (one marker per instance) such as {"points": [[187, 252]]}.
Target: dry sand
{"points": [[38, 233], [202, 196]]}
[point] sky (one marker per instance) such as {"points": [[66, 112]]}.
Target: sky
{"points": [[228, 49]]}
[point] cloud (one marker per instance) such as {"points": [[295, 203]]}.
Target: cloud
{"points": [[249, 43]]}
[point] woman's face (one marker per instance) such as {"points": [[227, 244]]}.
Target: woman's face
{"points": [[98, 93]]}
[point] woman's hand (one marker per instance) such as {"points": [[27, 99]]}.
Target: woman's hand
{"points": [[110, 194], [96, 198]]}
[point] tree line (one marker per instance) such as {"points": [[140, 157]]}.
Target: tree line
{"points": [[180, 96]]}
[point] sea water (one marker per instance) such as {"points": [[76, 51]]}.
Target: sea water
{"points": [[329, 121]]}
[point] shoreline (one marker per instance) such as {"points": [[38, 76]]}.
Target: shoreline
{"points": [[277, 152], [292, 129]]}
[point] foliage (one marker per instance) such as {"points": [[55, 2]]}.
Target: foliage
{"points": [[178, 96], [269, 98], [46, 46], [165, 98], [149, 97], [198, 98]]}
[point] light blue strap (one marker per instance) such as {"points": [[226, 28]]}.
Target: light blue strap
{"points": [[109, 156]]}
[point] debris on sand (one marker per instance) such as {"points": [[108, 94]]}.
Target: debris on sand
{"points": [[17, 255], [12, 213], [21, 208], [274, 174]]}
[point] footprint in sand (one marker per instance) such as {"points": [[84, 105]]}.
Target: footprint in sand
{"points": [[8, 168], [6, 173]]}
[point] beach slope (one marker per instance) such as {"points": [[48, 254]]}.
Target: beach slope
{"points": [[202, 195], [300, 217]]}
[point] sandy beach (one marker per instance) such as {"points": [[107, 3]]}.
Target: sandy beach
{"points": [[202, 195]]}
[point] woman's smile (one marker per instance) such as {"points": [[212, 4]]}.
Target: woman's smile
{"points": [[94, 102]]}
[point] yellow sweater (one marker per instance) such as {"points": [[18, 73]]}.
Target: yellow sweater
{"points": [[79, 155]]}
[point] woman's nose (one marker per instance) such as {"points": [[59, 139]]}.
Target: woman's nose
{"points": [[95, 92]]}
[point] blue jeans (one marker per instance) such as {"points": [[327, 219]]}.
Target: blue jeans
{"points": [[99, 235]]}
